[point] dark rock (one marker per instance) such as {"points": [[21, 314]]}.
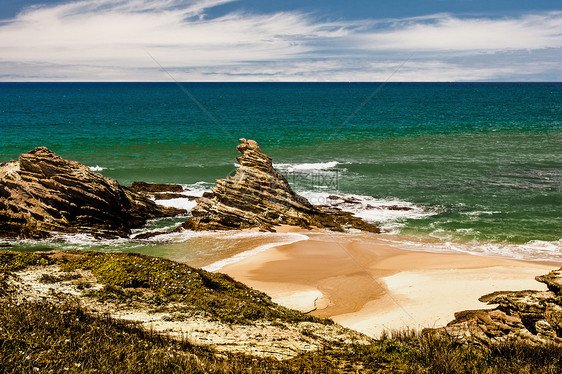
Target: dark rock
{"points": [[258, 196], [43, 193], [396, 207], [144, 187], [148, 235], [531, 316], [169, 196]]}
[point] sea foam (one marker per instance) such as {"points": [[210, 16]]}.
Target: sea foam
{"points": [[292, 238], [534, 250], [96, 168], [193, 190], [295, 167]]}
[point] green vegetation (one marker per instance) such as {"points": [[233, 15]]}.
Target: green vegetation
{"points": [[14, 261], [47, 338], [44, 337], [177, 287], [165, 284]]}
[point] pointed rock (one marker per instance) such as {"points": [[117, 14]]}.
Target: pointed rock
{"points": [[258, 196], [44, 193]]}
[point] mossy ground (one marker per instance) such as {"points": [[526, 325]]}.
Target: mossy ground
{"points": [[42, 336], [127, 277]]}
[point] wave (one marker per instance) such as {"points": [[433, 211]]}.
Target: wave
{"points": [[387, 213], [296, 167], [191, 191], [534, 250], [62, 241], [96, 168], [243, 255]]}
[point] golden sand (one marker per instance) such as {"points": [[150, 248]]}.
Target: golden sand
{"points": [[366, 283]]}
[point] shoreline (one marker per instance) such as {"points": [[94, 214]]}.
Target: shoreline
{"points": [[370, 285]]}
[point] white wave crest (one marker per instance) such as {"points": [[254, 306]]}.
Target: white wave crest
{"points": [[96, 168], [388, 213], [192, 190], [307, 166], [241, 256], [534, 250]]}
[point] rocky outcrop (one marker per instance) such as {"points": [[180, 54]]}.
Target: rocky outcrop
{"points": [[532, 316], [43, 193], [258, 196], [160, 191]]}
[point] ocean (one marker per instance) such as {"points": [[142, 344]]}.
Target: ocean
{"points": [[474, 167]]}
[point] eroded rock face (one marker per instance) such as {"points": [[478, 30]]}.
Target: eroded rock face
{"points": [[532, 316], [258, 196], [43, 193]]}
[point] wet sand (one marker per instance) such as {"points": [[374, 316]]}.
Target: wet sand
{"points": [[367, 284]]}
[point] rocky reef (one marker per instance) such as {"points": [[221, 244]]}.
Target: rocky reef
{"points": [[258, 196], [43, 193], [531, 316], [161, 191]]}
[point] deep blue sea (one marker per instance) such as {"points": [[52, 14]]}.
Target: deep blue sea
{"points": [[480, 165]]}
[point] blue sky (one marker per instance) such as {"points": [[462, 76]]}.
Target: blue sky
{"points": [[253, 40]]}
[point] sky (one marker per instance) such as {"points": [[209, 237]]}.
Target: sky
{"points": [[269, 40]]}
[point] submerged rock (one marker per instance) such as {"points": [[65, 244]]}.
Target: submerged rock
{"points": [[144, 187], [532, 316], [160, 191], [44, 193], [258, 196]]}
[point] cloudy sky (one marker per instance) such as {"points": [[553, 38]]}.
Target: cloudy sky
{"points": [[289, 40]]}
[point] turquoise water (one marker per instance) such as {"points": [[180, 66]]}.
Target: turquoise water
{"points": [[479, 164]]}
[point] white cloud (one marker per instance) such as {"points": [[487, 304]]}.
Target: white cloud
{"points": [[445, 32], [97, 40]]}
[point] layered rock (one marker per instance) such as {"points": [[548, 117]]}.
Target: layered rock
{"points": [[532, 316], [258, 196], [160, 191], [43, 193]]}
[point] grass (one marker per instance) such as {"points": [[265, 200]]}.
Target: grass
{"points": [[51, 279], [44, 337], [172, 286]]}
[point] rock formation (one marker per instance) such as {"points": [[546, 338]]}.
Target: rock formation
{"points": [[160, 191], [532, 316], [258, 196], [43, 193]]}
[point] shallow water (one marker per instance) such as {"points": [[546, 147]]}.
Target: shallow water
{"points": [[478, 164]]}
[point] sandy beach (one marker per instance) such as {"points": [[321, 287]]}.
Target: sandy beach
{"points": [[368, 284]]}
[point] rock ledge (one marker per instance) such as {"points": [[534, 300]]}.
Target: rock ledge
{"points": [[532, 316]]}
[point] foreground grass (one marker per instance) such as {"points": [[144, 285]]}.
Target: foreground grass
{"points": [[127, 277], [44, 337]]}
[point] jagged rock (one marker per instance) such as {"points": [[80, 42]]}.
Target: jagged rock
{"points": [[258, 196], [43, 193], [553, 281], [171, 195], [161, 191], [532, 316], [143, 187]]}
